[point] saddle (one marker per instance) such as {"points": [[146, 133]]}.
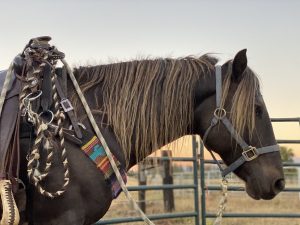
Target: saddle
{"points": [[10, 124], [9, 131]]}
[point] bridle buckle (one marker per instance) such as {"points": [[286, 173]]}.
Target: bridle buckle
{"points": [[66, 105], [250, 154]]}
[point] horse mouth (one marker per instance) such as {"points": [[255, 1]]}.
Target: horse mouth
{"points": [[252, 193], [254, 190], [259, 196]]}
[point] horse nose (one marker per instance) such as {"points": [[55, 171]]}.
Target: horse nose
{"points": [[278, 185]]}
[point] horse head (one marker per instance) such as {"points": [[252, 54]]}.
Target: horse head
{"points": [[231, 116]]}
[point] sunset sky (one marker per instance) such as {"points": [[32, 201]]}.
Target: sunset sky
{"points": [[93, 31]]}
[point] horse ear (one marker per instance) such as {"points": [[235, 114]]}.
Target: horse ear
{"points": [[239, 65]]}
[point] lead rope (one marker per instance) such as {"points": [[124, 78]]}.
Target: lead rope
{"points": [[222, 203], [105, 146]]}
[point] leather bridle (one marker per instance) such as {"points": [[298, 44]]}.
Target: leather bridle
{"points": [[249, 153]]}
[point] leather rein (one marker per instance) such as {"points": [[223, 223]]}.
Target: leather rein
{"points": [[249, 152]]}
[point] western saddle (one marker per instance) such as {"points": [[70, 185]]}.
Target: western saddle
{"points": [[30, 92], [10, 119]]}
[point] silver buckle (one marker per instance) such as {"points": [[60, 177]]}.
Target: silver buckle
{"points": [[250, 153], [66, 105]]}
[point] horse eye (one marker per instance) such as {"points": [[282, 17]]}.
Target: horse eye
{"points": [[258, 110]]}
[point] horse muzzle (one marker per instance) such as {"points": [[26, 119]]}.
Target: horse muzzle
{"points": [[256, 191]]}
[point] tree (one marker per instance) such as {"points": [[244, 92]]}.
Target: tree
{"points": [[287, 154]]}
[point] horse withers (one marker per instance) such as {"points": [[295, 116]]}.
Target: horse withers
{"points": [[143, 105]]}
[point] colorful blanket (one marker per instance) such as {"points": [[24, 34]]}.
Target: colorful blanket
{"points": [[95, 151]]}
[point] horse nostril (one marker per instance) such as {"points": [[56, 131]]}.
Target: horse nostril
{"points": [[279, 185]]}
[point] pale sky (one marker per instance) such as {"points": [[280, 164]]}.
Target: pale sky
{"points": [[93, 31]]}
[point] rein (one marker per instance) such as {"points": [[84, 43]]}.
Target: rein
{"points": [[249, 153]]}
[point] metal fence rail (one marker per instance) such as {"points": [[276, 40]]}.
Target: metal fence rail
{"points": [[151, 217], [205, 215]]}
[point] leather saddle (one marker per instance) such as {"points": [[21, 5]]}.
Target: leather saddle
{"points": [[9, 130], [10, 122]]}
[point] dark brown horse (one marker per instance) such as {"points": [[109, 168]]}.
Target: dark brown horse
{"points": [[143, 105]]}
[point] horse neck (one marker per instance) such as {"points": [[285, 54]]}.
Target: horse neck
{"points": [[205, 87], [158, 139]]}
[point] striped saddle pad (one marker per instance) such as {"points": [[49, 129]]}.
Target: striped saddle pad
{"points": [[95, 151]]}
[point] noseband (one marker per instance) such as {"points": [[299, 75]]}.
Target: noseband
{"points": [[249, 153]]}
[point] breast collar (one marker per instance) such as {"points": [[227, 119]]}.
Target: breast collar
{"points": [[249, 153]]}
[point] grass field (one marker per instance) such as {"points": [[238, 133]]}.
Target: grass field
{"points": [[238, 202]]}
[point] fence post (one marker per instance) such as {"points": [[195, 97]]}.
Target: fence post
{"points": [[298, 176], [195, 146], [142, 181], [168, 179], [202, 182]]}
